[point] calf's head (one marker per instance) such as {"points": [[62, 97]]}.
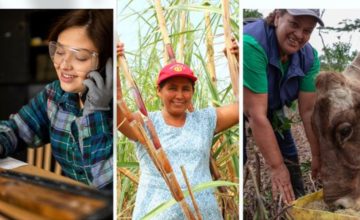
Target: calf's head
{"points": [[336, 124]]}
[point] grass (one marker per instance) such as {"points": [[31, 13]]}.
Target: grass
{"points": [[146, 60]]}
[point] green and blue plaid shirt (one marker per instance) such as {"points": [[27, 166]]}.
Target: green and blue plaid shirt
{"points": [[82, 145]]}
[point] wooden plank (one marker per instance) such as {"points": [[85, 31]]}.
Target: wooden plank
{"points": [[47, 202], [17, 213]]}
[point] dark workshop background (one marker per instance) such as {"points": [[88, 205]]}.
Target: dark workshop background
{"points": [[25, 64]]}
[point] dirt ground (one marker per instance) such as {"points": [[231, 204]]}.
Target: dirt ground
{"points": [[259, 204]]}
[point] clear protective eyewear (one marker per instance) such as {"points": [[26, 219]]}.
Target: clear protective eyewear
{"points": [[81, 60]]}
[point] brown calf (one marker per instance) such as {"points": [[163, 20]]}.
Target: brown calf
{"points": [[336, 123]]}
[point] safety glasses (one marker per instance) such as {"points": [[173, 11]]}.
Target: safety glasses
{"points": [[81, 60]]}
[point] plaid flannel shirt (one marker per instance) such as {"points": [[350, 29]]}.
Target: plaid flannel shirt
{"points": [[81, 144]]}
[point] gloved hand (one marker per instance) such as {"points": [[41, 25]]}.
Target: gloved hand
{"points": [[99, 94]]}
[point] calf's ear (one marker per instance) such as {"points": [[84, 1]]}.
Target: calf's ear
{"points": [[353, 70]]}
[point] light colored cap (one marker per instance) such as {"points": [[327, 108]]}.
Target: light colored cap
{"points": [[307, 12]]}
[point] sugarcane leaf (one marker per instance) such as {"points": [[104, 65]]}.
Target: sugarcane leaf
{"points": [[203, 186], [196, 7], [128, 164]]}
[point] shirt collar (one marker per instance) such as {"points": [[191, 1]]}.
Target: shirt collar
{"points": [[69, 102]]}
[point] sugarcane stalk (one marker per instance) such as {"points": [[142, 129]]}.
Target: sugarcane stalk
{"points": [[153, 147], [196, 207], [123, 64], [214, 169], [129, 175], [181, 45], [224, 190], [138, 130], [158, 148], [141, 135], [210, 64], [131, 119], [164, 32], [233, 63], [231, 171]]}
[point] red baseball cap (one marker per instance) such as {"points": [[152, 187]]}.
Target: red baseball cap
{"points": [[175, 69]]}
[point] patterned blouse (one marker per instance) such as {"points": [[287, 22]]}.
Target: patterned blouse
{"points": [[189, 146]]}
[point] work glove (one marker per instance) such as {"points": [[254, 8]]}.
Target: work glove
{"points": [[99, 94]]}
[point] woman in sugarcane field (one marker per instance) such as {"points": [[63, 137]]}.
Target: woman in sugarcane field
{"points": [[280, 66], [73, 113], [186, 137]]}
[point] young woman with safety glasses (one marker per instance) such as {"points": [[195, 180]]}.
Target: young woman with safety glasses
{"points": [[73, 113]]}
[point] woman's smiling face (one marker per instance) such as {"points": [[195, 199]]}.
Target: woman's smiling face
{"points": [[293, 32], [77, 58], [176, 95]]}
